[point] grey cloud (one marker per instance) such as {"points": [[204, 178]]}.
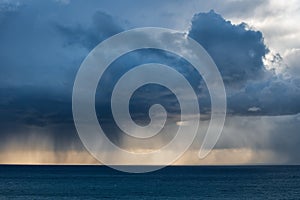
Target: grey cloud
{"points": [[41, 52], [291, 59], [274, 134], [50, 51], [38, 62], [276, 96], [103, 26], [237, 51]]}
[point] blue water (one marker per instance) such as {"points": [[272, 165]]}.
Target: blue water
{"points": [[99, 182]]}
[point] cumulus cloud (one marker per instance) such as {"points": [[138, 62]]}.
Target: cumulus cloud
{"points": [[237, 51]]}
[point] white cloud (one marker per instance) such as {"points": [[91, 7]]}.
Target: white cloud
{"points": [[254, 109], [279, 22]]}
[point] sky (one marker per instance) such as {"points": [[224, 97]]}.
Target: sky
{"points": [[255, 45]]}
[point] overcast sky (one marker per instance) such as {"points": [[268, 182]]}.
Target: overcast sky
{"points": [[255, 45]]}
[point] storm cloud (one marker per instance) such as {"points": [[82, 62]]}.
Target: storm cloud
{"points": [[44, 43], [239, 52]]}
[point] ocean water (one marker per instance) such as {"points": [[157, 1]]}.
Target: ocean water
{"points": [[177, 182]]}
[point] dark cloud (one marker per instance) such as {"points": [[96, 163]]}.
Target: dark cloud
{"points": [[237, 51], [40, 56], [50, 51], [42, 47], [275, 96], [103, 26]]}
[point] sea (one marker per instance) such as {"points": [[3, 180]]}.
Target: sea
{"points": [[174, 182]]}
